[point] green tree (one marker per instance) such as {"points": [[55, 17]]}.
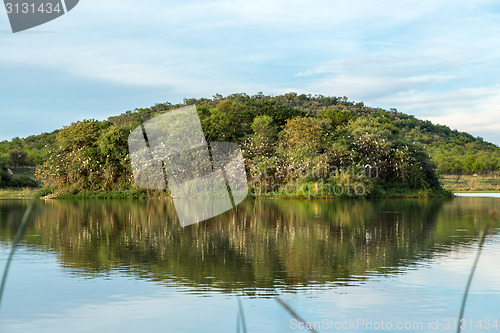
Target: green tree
{"points": [[5, 178], [303, 144], [337, 117], [91, 155], [264, 136]]}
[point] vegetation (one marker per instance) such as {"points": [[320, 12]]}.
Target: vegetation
{"points": [[20, 180], [30, 151], [20, 193], [452, 152], [471, 183], [294, 146]]}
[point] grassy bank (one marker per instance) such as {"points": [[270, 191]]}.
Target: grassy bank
{"points": [[470, 183], [130, 194], [18, 193], [314, 190], [306, 191], [406, 193], [309, 190]]}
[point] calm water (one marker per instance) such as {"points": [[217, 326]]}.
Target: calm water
{"points": [[127, 266]]}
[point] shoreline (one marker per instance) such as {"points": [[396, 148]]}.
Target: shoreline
{"points": [[28, 193]]}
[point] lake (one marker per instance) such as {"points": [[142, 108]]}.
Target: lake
{"points": [[350, 266]]}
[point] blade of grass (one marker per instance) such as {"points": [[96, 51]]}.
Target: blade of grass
{"points": [[482, 236], [238, 323], [19, 233], [294, 314], [241, 318]]}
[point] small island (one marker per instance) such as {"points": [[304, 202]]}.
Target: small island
{"points": [[294, 146]]}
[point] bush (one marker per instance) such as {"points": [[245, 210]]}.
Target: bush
{"points": [[23, 181], [45, 191], [5, 178]]}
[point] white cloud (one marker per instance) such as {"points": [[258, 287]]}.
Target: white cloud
{"points": [[474, 110], [420, 57]]}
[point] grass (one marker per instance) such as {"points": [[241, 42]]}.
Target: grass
{"points": [[18, 193], [482, 235], [129, 194], [305, 192], [294, 314], [470, 183], [396, 192], [240, 319], [312, 191]]}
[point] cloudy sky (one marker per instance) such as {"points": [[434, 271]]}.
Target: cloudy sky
{"points": [[435, 59]]}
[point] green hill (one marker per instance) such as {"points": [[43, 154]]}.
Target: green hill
{"points": [[451, 151], [281, 136]]}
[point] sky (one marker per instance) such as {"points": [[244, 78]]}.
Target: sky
{"points": [[435, 59]]}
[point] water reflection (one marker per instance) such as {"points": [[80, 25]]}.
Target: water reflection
{"points": [[264, 247]]}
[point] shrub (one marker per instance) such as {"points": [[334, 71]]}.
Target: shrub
{"points": [[24, 181]]}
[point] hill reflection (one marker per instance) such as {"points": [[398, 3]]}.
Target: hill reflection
{"points": [[263, 246]]}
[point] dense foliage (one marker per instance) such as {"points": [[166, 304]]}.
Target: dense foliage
{"points": [[298, 142], [90, 155], [7, 178], [30, 151]]}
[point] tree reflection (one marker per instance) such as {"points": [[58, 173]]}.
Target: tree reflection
{"points": [[262, 246]]}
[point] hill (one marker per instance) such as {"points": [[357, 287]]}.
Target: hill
{"points": [[451, 151], [303, 141]]}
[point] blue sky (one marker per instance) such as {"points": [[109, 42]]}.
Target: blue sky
{"points": [[437, 60]]}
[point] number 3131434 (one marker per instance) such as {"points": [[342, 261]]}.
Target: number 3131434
{"points": [[31, 8]]}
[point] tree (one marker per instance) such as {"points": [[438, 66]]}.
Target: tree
{"points": [[91, 155], [17, 158], [113, 152], [5, 178], [264, 136], [337, 117], [303, 143]]}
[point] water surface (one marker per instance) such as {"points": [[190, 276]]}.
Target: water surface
{"points": [[127, 266]]}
